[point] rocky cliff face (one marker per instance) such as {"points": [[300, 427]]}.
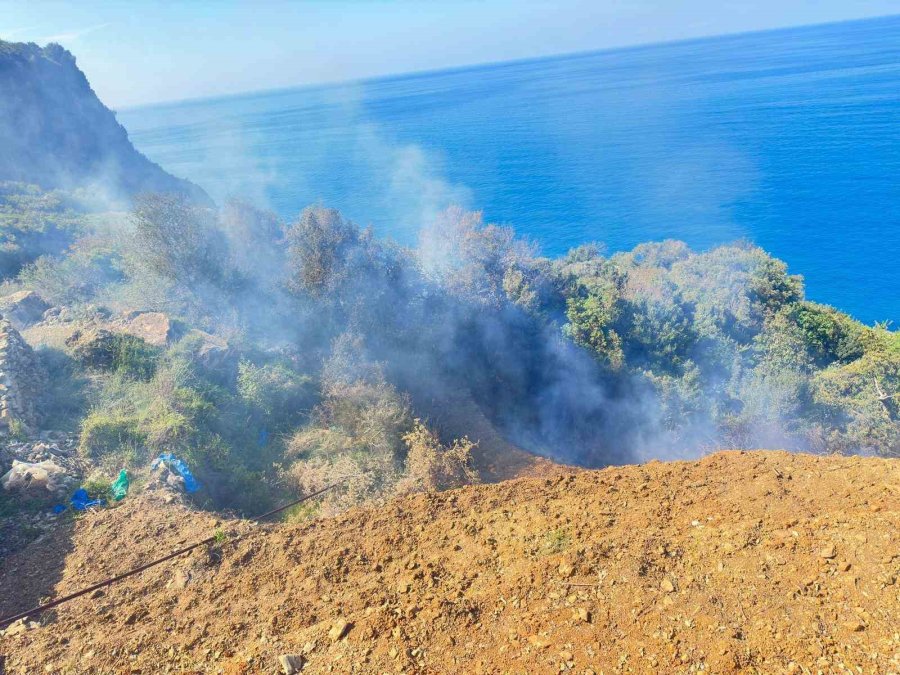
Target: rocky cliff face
{"points": [[56, 133]]}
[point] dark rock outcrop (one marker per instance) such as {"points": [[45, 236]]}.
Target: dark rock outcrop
{"points": [[56, 133]]}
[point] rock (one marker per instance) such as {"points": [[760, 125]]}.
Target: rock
{"points": [[666, 585], [23, 308], [538, 642], [291, 663], [582, 614], [339, 629], [154, 328], [827, 552], [210, 350], [22, 380], [179, 580], [18, 627], [565, 570], [854, 626]]}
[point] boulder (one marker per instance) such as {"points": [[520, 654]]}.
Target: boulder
{"points": [[154, 328], [209, 350], [23, 308]]}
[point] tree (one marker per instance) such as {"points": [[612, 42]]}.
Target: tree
{"points": [[178, 240]]}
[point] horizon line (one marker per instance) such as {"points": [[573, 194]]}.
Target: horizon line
{"points": [[482, 64]]}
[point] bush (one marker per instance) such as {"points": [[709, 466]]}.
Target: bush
{"points": [[89, 266], [478, 263], [178, 240], [281, 395], [321, 248], [356, 433], [828, 335], [98, 486], [433, 466], [859, 404], [109, 434], [34, 223], [126, 355]]}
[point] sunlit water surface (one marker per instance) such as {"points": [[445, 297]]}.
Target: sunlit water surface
{"points": [[788, 138]]}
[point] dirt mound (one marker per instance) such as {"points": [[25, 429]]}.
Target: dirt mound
{"points": [[757, 562]]}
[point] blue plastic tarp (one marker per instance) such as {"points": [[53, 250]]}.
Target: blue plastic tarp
{"points": [[179, 467], [81, 500]]}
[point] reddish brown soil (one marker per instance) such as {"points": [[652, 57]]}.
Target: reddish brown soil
{"points": [[750, 562]]}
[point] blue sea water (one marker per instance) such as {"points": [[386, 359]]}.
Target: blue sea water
{"points": [[788, 138]]}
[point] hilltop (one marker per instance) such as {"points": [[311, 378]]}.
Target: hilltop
{"points": [[56, 133], [740, 562]]}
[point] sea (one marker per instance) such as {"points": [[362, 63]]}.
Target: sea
{"points": [[787, 138]]}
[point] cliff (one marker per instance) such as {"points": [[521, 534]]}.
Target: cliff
{"points": [[56, 133]]}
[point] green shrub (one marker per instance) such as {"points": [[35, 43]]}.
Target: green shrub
{"points": [[89, 266], [98, 486], [133, 357], [281, 395], [17, 430], [119, 353], [829, 335], [106, 434]]}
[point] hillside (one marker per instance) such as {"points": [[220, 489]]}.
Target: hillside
{"points": [[740, 562], [56, 133]]}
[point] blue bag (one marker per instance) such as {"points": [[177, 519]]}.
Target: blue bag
{"points": [[179, 467], [81, 501]]}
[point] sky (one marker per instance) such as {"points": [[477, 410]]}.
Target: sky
{"points": [[145, 51]]}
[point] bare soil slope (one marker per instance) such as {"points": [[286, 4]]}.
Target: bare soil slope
{"points": [[741, 562]]}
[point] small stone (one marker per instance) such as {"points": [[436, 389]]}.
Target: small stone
{"points": [[582, 614], [538, 642], [666, 586], [339, 629], [565, 570], [828, 552], [19, 626], [854, 626], [291, 663], [180, 579]]}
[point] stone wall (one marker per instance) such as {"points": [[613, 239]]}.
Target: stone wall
{"points": [[22, 380]]}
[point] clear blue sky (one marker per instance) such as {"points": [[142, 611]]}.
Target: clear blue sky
{"points": [[143, 51]]}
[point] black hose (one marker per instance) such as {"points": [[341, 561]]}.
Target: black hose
{"points": [[108, 582]]}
